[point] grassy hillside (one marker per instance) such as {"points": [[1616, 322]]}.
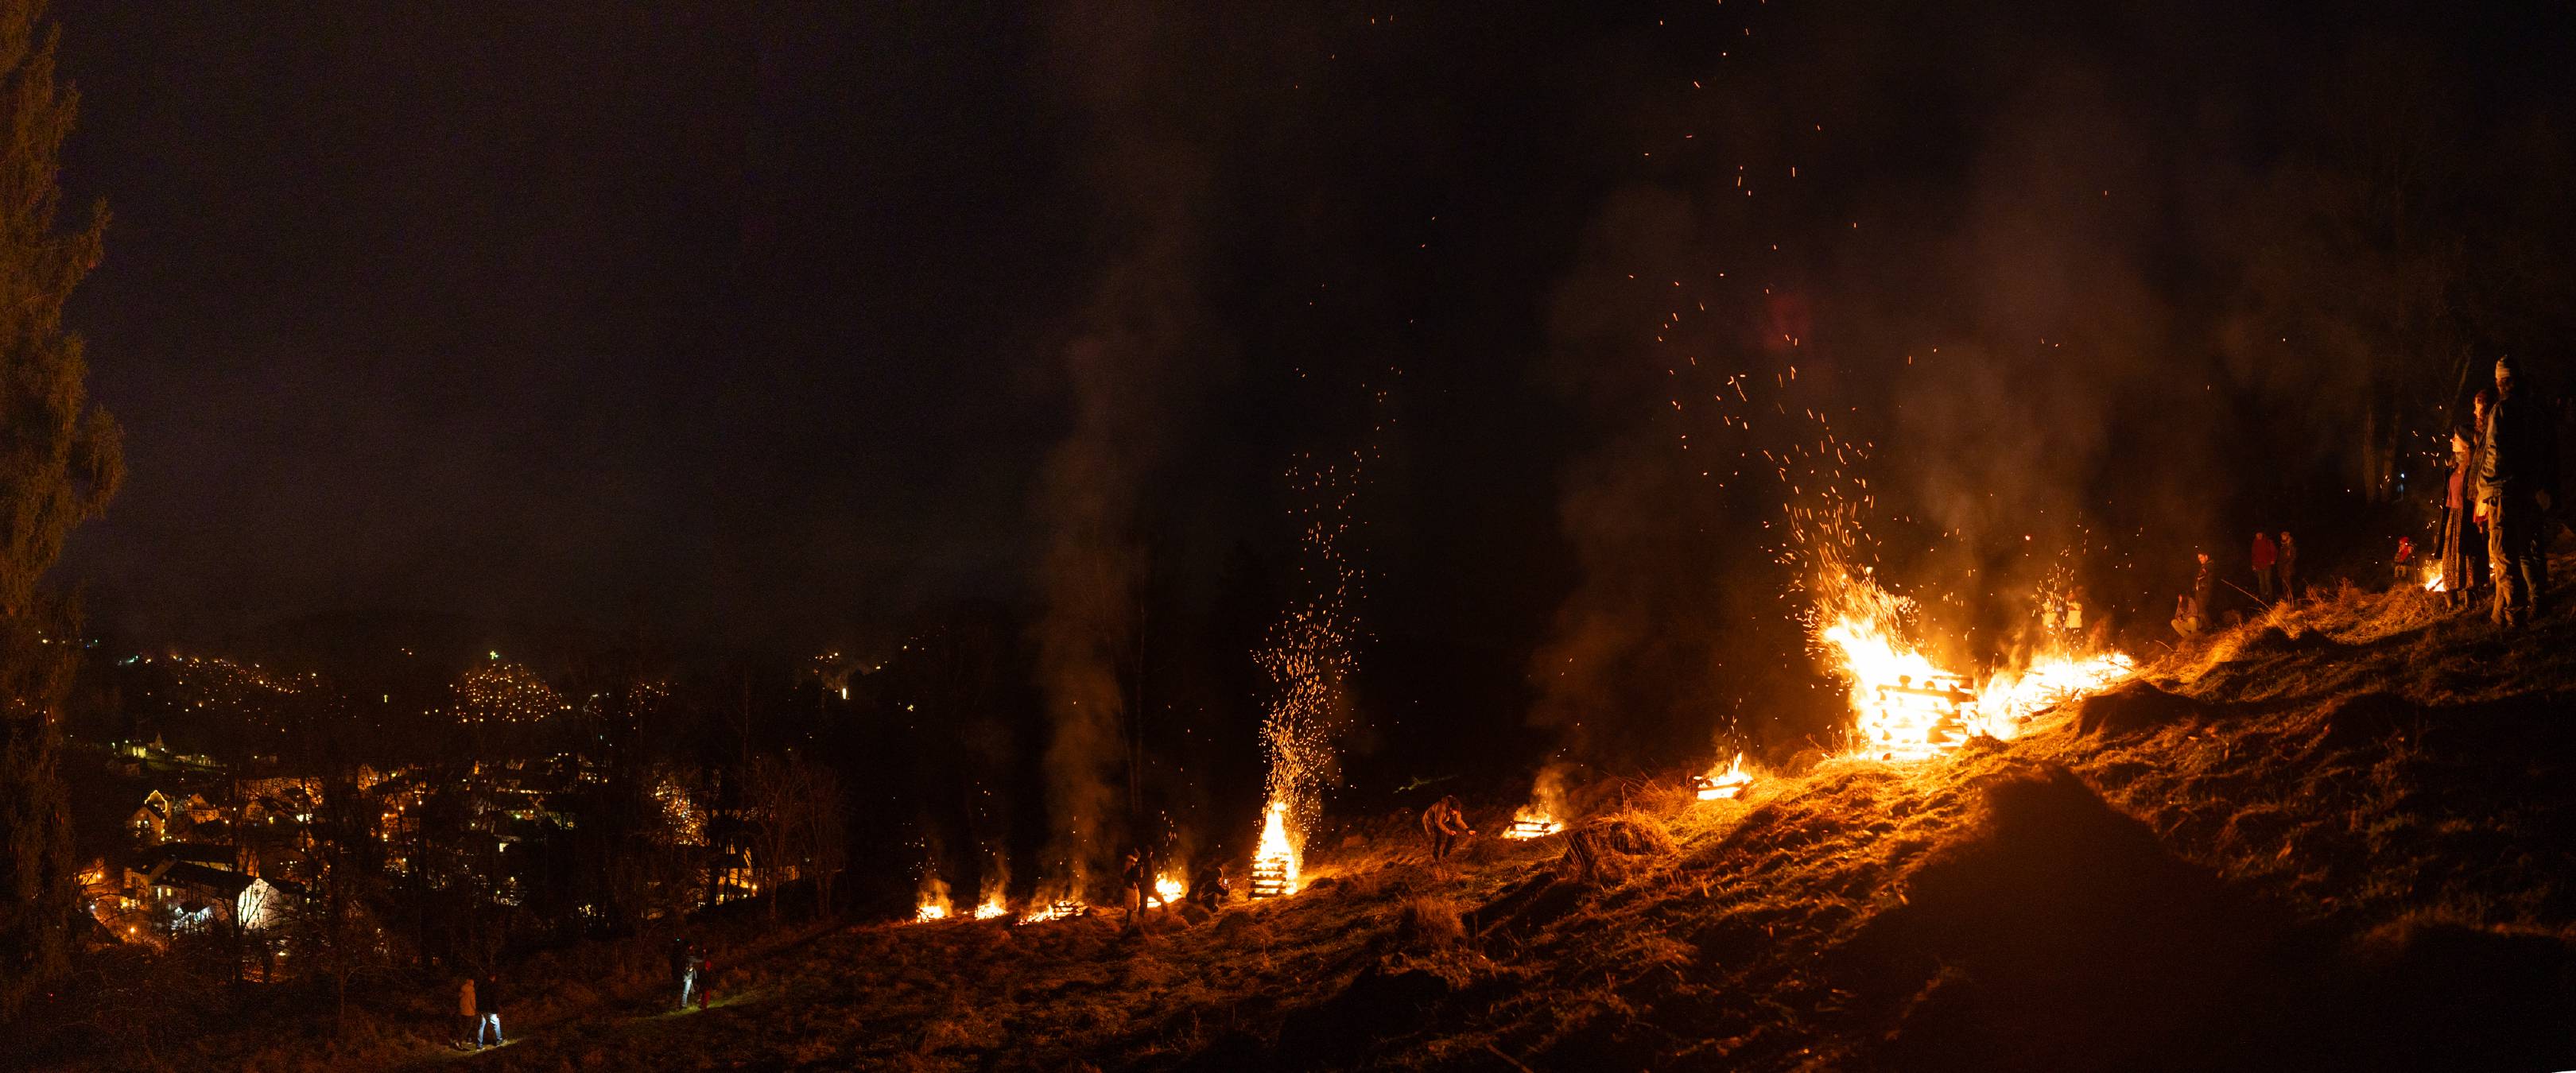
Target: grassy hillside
{"points": [[2337, 837]]}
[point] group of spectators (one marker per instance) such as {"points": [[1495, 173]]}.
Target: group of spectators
{"points": [[2504, 483], [2276, 577], [2503, 486]]}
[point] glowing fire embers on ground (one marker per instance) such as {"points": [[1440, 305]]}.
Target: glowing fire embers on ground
{"points": [[2433, 579], [1274, 865], [1722, 784], [1532, 822]]}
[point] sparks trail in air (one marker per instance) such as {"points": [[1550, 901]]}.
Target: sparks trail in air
{"points": [[1311, 651]]}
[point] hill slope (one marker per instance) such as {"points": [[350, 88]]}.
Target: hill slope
{"points": [[2337, 837]]}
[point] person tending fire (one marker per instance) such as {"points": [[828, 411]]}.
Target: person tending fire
{"points": [[1444, 823]]}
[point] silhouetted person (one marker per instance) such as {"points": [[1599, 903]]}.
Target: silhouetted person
{"points": [[2464, 541], [1444, 823], [2186, 620], [2264, 556], [684, 969], [1209, 887], [466, 1010], [487, 1006], [1136, 882], [2517, 485], [2289, 567], [2402, 568], [2203, 586]]}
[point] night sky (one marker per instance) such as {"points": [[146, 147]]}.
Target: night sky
{"points": [[753, 329]]}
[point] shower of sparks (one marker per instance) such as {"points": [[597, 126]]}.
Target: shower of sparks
{"points": [[1311, 651]]}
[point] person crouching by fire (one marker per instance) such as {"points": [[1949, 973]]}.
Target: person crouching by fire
{"points": [[1209, 887], [1444, 823]]}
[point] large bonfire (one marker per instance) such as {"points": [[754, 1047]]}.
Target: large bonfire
{"points": [[1905, 706]]}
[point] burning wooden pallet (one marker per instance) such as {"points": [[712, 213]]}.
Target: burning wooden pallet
{"points": [[1056, 910], [1522, 829], [1269, 877]]}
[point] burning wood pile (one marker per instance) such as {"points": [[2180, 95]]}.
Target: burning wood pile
{"points": [[1058, 909], [1274, 866], [1722, 784], [1909, 708], [1532, 822]]}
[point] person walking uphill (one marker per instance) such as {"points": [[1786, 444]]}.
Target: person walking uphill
{"points": [[2264, 556], [2517, 486]]}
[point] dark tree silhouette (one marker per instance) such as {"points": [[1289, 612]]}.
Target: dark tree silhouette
{"points": [[60, 461]]}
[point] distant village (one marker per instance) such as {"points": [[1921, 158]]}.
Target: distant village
{"points": [[248, 850]]}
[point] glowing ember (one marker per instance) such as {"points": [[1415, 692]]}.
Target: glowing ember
{"points": [[1532, 822], [2433, 580], [1274, 866], [1723, 784]]}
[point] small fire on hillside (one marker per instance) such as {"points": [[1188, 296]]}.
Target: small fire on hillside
{"points": [[1168, 889], [1722, 784], [2433, 579], [930, 900], [1532, 822], [1274, 865], [992, 909]]}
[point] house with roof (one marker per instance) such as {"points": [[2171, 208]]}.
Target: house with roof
{"points": [[196, 896]]}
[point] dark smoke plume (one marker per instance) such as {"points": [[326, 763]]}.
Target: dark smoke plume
{"points": [[1131, 372]]}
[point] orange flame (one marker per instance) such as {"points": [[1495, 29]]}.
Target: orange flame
{"points": [[1275, 865], [1532, 821], [1723, 784]]}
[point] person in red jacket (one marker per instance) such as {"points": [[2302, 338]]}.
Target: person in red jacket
{"points": [[2264, 556]]}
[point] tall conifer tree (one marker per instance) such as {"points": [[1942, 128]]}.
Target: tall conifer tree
{"points": [[60, 461]]}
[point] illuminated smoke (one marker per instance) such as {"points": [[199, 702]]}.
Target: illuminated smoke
{"points": [[1131, 374]]}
